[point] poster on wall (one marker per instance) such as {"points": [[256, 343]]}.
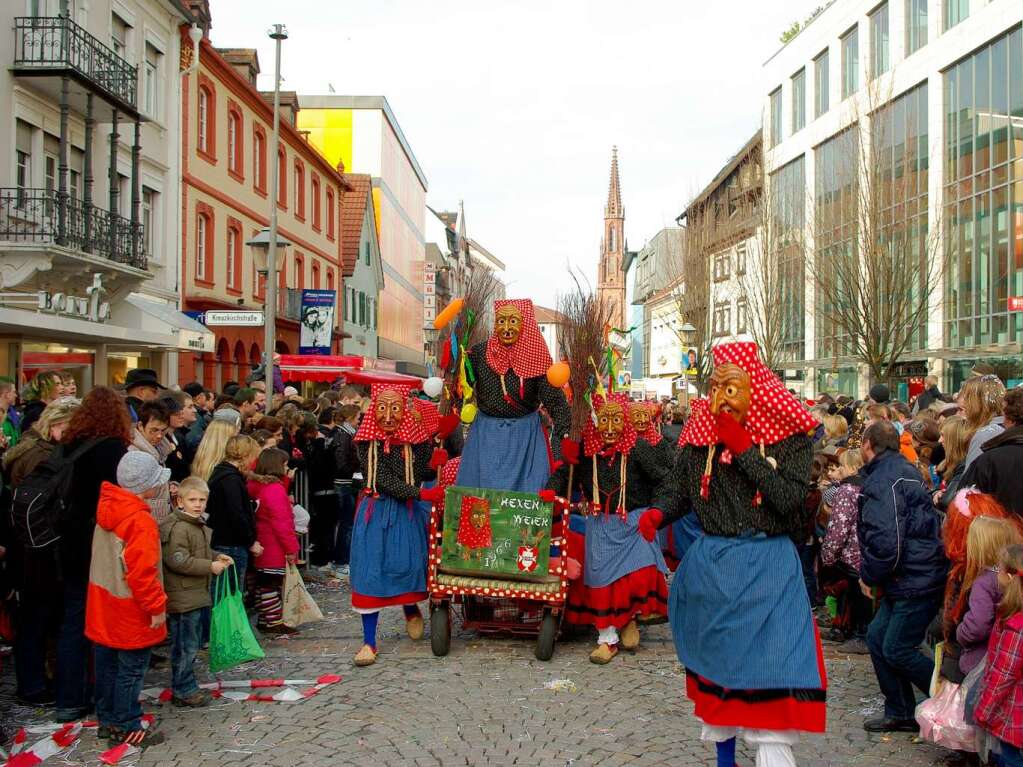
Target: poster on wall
{"points": [[317, 321]]}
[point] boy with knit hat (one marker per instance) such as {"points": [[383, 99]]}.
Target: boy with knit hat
{"points": [[125, 614]]}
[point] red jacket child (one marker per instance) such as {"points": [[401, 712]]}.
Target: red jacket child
{"points": [[125, 577], [275, 522]]}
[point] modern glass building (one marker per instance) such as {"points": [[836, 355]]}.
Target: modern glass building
{"points": [[936, 89]]}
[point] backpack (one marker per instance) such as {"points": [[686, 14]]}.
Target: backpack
{"points": [[42, 498]]}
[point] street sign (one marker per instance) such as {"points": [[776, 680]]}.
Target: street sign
{"points": [[233, 319], [1016, 303]]}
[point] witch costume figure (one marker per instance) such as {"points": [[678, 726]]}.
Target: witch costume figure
{"points": [[507, 448], [388, 559], [739, 611], [623, 574]]}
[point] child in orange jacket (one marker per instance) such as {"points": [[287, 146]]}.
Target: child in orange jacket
{"points": [[125, 612]]}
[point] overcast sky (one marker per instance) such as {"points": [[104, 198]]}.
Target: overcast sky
{"points": [[513, 105]]}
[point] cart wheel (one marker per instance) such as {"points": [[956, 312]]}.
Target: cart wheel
{"points": [[440, 629], [548, 632]]}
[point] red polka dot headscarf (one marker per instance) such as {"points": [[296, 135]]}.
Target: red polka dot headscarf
{"points": [[593, 443], [528, 356], [429, 418], [409, 432], [774, 414]]}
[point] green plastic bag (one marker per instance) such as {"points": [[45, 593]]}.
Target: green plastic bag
{"points": [[231, 639]]}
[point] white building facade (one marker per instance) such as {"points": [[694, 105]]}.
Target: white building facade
{"points": [[90, 177], [951, 75]]}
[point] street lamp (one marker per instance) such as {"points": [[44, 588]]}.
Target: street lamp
{"points": [[278, 33], [687, 331], [261, 245]]}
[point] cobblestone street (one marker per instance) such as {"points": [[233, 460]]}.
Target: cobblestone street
{"points": [[484, 704]]}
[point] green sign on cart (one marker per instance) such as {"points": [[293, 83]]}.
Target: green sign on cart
{"points": [[496, 533]]}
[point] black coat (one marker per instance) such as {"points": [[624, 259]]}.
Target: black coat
{"points": [[94, 467], [31, 414], [997, 470], [231, 516], [926, 399], [899, 531]]}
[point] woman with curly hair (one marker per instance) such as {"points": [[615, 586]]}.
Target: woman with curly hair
{"points": [[103, 428]]}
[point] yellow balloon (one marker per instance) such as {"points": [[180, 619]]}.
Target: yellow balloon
{"points": [[468, 413], [558, 374]]}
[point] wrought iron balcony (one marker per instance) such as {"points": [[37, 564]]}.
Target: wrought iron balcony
{"points": [[55, 45], [50, 218]]}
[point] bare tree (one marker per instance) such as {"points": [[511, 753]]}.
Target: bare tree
{"points": [[876, 257]]}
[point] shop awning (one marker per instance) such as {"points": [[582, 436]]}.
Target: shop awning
{"points": [[191, 335], [330, 368]]}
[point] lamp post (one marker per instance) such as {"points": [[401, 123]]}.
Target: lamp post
{"points": [[278, 33], [687, 331], [262, 244]]}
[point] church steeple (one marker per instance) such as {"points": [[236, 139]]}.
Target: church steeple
{"points": [[610, 277], [614, 209]]}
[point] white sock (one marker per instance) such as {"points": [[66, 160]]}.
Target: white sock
{"points": [[608, 636], [775, 755]]}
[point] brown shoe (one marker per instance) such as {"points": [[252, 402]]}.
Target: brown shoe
{"points": [[653, 619], [630, 636], [603, 654], [197, 699], [367, 656], [279, 630], [414, 627]]}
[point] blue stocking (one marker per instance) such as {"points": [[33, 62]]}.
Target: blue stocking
{"points": [[369, 630], [726, 753]]}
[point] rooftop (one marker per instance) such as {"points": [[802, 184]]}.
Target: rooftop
{"points": [[353, 212]]}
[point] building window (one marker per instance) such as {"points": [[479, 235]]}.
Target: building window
{"points": [[365, 249], [741, 319], [740, 258], [330, 214], [821, 84], [299, 190], [50, 180], [316, 276], [850, 62], [788, 221], [152, 75], [315, 186], [207, 118], [234, 255], [203, 247], [282, 178], [722, 318], [119, 35], [983, 213], [799, 100], [149, 198], [916, 25], [776, 117], [879, 45], [235, 143], [955, 11], [362, 309], [330, 279], [259, 158], [23, 161], [722, 266]]}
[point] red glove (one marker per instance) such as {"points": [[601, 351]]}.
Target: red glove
{"points": [[570, 451], [438, 459], [572, 568], [731, 433], [547, 496], [448, 424], [434, 495], [649, 523]]}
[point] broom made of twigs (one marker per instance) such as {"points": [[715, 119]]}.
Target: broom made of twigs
{"points": [[584, 317], [479, 292]]}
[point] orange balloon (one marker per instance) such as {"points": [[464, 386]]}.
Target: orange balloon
{"points": [[558, 374], [449, 313]]}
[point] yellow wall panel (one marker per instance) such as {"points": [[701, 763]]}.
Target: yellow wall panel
{"points": [[330, 131]]}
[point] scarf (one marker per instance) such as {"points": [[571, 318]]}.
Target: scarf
{"points": [[528, 356]]}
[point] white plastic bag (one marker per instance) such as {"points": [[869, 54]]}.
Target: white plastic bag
{"points": [[301, 518]]}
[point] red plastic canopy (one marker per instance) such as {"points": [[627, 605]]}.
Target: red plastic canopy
{"points": [[329, 368]]}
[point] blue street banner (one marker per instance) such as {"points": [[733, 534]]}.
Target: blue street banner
{"points": [[317, 323]]}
